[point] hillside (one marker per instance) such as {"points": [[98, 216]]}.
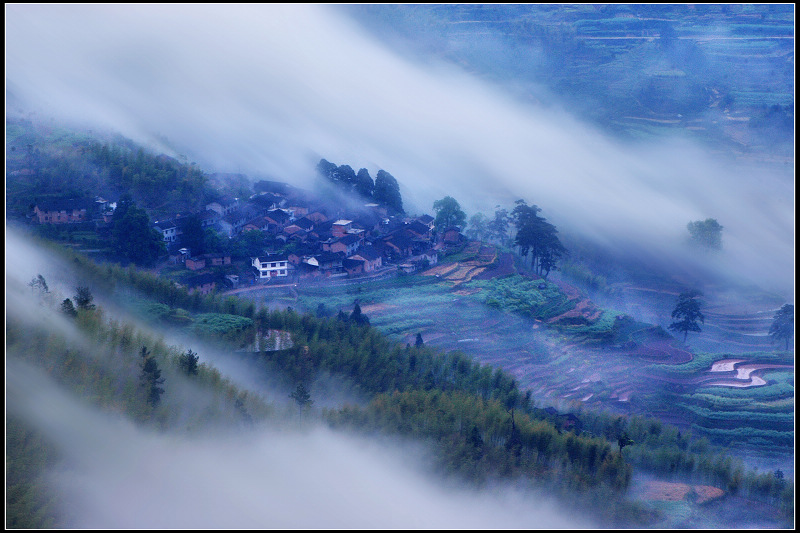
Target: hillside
{"points": [[477, 440]]}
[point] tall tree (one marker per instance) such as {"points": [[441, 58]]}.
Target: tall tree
{"points": [[39, 283], [478, 227], [194, 235], [301, 396], [364, 185], [68, 308], [83, 298], [150, 378], [419, 343], [687, 313], [448, 213], [188, 362], [498, 227], [536, 237], [387, 191], [358, 317], [783, 324], [133, 235]]}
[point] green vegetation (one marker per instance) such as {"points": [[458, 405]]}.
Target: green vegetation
{"points": [[479, 422], [524, 296]]}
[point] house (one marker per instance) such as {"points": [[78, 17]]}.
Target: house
{"points": [[346, 245], [427, 220], [273, 187], [353, 266], [307, 270], [233, 223], [224, 206], [278, 217], [169, 230], [452, 235], [271, 266], [202, 283], [202, 261], [418, 230], [341, 227], [372, 258], [267, 201], [196, 263], [62, 211], [399, 245], [305, 223], [328, 263], [317, 216]]}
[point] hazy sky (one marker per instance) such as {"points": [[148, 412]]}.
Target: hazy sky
{"points": [[266, 89]]}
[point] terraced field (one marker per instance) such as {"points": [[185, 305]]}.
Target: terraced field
{"points": [[728, 385]]}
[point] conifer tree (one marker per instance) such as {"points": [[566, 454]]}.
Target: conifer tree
{"points": [[188, 362], [150, 378]]}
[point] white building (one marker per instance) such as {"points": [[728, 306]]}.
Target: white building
{"points": [[271, 266]]}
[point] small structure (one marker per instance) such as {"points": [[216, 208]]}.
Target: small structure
{"points": [[62, 211], [271, 266]]}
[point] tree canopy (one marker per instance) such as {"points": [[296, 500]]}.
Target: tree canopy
{"points": [[387, 191], [687, 313], [448, 213], [706, 233], [133, 236], [537, 237], [783, 324]]}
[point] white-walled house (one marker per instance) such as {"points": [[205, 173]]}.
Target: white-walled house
{"points": [[271, 266]]}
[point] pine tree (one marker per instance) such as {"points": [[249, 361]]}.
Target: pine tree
{"points": [[68, 308], [687, 312], [302, 397], [783, 324], [150, 378], [188, 362]]}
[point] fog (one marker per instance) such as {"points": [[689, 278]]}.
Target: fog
{"points": [[115, 474], [269, 90]]}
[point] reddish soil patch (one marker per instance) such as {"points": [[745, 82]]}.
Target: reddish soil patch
{"points": [[504, 267], [666, 491], [706, 493], [584, 312], [663, 351], [676, 492]]}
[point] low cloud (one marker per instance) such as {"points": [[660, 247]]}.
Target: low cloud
{"points": [[117, 475], [268, 90]]}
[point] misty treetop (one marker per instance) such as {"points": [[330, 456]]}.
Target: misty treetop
{"points": [[133, 235], [384, 190], [782, 327], [448, 213], [537, 237], [705, 233]]}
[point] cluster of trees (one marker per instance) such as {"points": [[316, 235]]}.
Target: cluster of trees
{"points": [[153, 180], [133, 236], [448, 213], [493, 230], [482, 425], [535, 238], [384, 190], [687, 314]]}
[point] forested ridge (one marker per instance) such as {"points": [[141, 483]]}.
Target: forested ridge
{"points": [[478, 422]]}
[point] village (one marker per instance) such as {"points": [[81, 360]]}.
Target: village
{"points": [[302, 238]]}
